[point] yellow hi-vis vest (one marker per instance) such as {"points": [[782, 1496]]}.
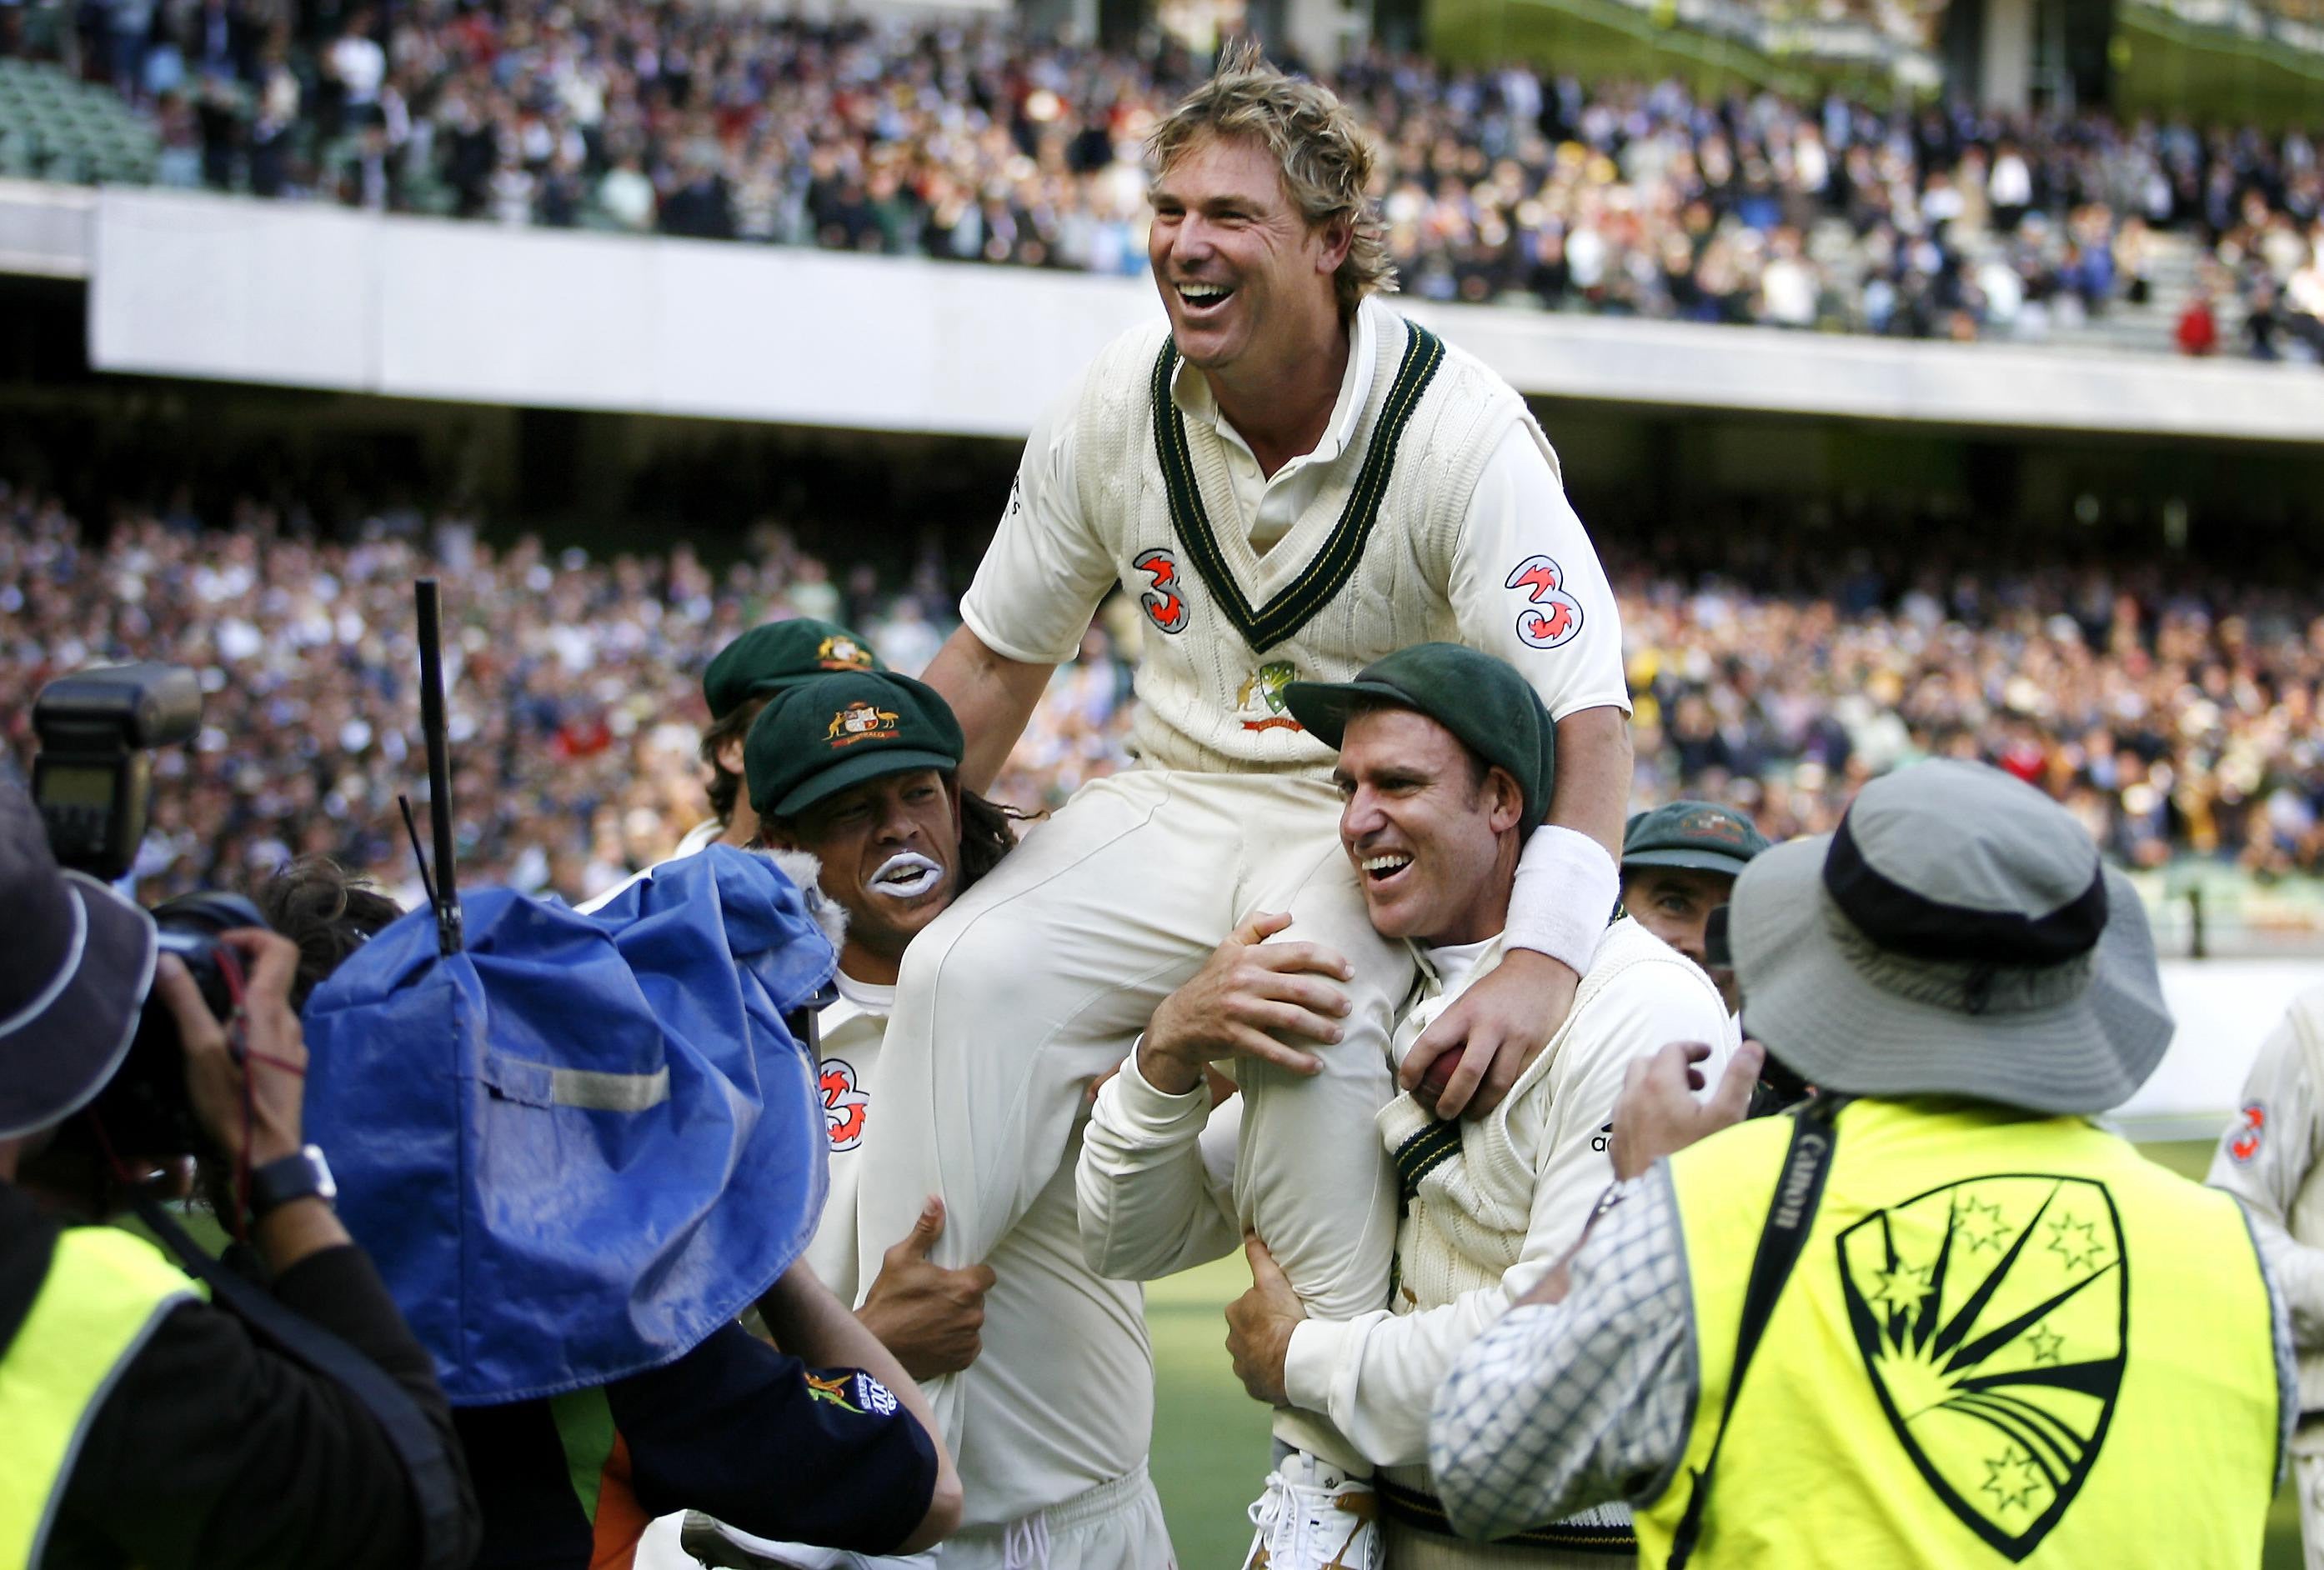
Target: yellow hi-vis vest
{"points": [[2008, 1339], [105, 1292]]}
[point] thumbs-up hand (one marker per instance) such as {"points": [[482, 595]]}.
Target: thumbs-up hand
{"points": [[931, 1317]]}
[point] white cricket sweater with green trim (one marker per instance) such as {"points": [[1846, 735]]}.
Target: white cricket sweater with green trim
{"points": [[1365, 570]]}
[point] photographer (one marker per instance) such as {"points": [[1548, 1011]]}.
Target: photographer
{"points": [[146, 1425]]}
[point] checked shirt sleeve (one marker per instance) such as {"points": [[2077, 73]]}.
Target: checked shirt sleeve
{"points": [[1562, 1406]]}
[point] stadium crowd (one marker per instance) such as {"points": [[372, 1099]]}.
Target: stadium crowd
{"points": [[979, 144], [2168, 720]]}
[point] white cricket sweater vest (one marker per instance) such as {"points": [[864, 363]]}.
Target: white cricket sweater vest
{"points": [[1364, 571], [1469, 1191]]}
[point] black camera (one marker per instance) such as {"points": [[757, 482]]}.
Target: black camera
{"points": [[92, 777], [92, 782], [143, 1109]]}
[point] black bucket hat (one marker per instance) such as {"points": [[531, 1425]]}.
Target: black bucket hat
{"points": [[74, 974]]}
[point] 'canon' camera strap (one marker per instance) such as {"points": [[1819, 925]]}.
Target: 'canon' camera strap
{"points": [[433, 1471], [1799, 1193]]}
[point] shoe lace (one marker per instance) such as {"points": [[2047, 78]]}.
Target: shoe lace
{"points": [[1272, 1510]]}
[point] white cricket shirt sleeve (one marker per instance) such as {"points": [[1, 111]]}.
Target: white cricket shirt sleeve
{"points": [[1047, 570], [2265, 1158], [1155, 1184], [1376, 1377], [1527, 585]]}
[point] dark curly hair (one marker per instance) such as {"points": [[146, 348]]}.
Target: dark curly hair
{"points": [[988, 831], [325, 909]]}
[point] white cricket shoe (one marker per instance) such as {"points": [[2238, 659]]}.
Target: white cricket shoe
{"points": [[1315, 1517]]}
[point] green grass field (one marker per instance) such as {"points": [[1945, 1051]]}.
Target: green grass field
{"points": [[1211, 1440]]}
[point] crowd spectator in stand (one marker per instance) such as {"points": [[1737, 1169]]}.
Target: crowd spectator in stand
{"points": [[974, 142], [2171, 715]]}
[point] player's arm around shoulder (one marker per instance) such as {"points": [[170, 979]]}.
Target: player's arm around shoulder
{"points": [[1526, 586]]}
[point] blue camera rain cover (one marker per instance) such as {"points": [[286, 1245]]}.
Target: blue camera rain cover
{"points": [[580, 1145]]}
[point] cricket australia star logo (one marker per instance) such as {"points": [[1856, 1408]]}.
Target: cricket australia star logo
{"points": [[1552, 618], [1993, 1316], [1261, 695]]}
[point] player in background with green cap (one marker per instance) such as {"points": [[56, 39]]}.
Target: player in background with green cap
{"points": [[1679, 864], [739, 681]]}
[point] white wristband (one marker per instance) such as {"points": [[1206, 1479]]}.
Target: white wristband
{"points": [[1565, 892]]}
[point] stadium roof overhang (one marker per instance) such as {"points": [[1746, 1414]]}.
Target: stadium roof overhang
{"points": [[313, 296]]}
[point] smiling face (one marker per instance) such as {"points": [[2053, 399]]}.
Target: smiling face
{"points": [[1242, 273], [1435, 845], [891, 855], [1672, 902]]}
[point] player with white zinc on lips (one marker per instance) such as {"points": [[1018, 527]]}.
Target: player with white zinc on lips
{"points": [[851, 783], [1292, 480]]}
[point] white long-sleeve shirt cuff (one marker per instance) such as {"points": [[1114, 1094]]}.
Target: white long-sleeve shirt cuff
{"points": [[1320, 1350], [1143, 1110]]}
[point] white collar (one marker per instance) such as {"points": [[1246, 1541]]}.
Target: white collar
{"points": [[1482, 956], [867, 996], [1191, 391]]}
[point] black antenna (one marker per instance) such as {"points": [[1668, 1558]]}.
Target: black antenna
{"points": [[419, 857], [439, 769]]}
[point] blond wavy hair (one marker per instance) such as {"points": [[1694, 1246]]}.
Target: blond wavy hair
{"points": [[1326, 157]]}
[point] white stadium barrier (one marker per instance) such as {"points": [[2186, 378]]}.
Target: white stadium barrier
{"points": [[2224, 1008], [186, 284]]}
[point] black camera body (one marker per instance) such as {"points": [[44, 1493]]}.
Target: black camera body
{"points": [[143, 1109], [92, 780]]}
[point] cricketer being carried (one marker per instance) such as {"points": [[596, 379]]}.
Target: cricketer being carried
{"points": [[1292, 480]]}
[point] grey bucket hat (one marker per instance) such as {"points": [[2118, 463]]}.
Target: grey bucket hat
{"points": [[1958, 935]]}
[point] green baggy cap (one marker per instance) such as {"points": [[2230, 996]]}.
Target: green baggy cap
{"points": [[1703, 836], [826, 733], [781, 654], [1494, 712]]}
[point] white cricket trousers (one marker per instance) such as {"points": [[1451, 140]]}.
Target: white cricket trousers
{"points": [[1040, 979], [1115, 1526]]}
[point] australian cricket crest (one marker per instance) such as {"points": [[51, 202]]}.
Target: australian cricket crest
{"points": [[860, 721], [1259, 700], [839, 652], [1992, 1315]]}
